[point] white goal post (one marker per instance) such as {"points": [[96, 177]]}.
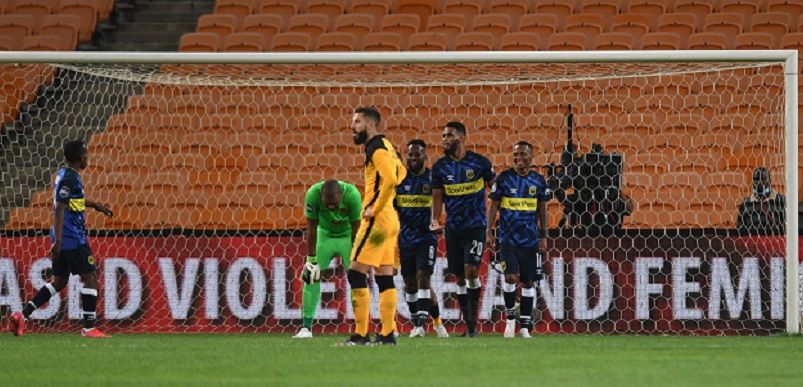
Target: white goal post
{"points": [[788, 59]]}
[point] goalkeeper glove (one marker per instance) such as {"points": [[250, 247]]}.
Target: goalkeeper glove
{"points": [[311, 272]]}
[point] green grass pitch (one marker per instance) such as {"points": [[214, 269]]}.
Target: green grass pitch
{"points": [[249, 359]]}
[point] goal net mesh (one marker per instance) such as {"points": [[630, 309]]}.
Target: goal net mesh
{"points": [[206, 167]]}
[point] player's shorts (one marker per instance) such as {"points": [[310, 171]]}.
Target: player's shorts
{"points": [[418, 258], [524, 261], [464, 247], [376, 240], [77, 261], [329, 247]]}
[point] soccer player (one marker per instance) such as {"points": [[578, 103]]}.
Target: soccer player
{"points": [[374, 247], [333, 211], [417, 243], [69, 251], [519, 195], [459, 180]]}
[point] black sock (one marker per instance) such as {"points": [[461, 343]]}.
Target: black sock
{"points": [[527, 298], [42, 296], [434, 310], [89, 299], [510, 304], [412, 304], [462, 299], [423, 306], [473, 306]]}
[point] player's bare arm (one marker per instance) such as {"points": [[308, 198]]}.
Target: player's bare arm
{"points": [[58, 225], [493, 210], [437, 209], [542, 223], [103, 209]]}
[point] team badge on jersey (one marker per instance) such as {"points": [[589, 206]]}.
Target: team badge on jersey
{"points": [[64, 192], [533, 190], [469, 174], [426, 189]]}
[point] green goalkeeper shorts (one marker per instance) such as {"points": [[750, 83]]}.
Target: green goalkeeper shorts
{"points": [[328, 247]]}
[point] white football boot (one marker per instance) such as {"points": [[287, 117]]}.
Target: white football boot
{"points": [[510, 329], [525, 333], [440, 330], [418, 332], [304, 333]]}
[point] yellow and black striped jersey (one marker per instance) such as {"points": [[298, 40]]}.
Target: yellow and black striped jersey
{"points": [[383, 172]]}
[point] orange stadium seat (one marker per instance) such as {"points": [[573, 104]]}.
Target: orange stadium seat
{"points": [[494, 23], [653, 164], [239, 8], [615, 41], [336, 41], [468, 8], [539, 23], [708, 41], [27, 218], [377, 8], [17, 26], [695, 7], [3, 7], [776, 24], [43, 43], [64, 26], [450, 25], [244, 42], [402, 24], [291, 42], [475, 41], [607, 8], [654, 8], [567, 41], [591, 25], [700, 163], [284, 9], [357, 25], [793, 41], [513, 8], [623, 143], [754, 41], [669, 144], [680, 186], [728, 23], [423, 8], [7, 43], [632, 23], [519, 41], [331, 8], [792, 8], [311, 24], [681, 24], [87, 10], [428, 41], [561, 8], [660, 41], [744, 7], [266, 24], [35, 8], [383, 41], [220, 24]]}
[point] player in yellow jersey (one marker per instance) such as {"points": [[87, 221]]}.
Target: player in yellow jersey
{"points": [[374, 247]]}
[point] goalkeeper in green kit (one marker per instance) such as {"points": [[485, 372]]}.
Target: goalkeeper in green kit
{"points": [[333, 210]]}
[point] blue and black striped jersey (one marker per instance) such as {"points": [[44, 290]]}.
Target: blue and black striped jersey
{"points": [[463, 183], [518, 212], [70, 190], [414, 205]]}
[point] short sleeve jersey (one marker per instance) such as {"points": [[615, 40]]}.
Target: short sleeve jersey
{"points": [[518, 212], [463, 183], [335, 223], [414, 205], [70, 190]]}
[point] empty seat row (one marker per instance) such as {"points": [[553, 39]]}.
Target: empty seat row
{"points": [[73, 26]]}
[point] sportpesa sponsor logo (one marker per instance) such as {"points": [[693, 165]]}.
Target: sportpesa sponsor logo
{"points": [[413, 201], [464, 188], [520, 204]]}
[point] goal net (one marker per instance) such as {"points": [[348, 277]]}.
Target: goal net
{"points": [[656, 225]]}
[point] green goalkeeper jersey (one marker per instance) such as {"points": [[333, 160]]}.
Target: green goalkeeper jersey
{"points": [[335, 223]]}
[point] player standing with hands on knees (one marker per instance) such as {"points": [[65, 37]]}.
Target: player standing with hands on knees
{"points": [[459, 180], [70, 250], [333, 212], [519, 195]]}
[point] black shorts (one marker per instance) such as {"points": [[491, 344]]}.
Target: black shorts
{"points": [[464, 247], [78, 261], [524, 261], [419, 258]]}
